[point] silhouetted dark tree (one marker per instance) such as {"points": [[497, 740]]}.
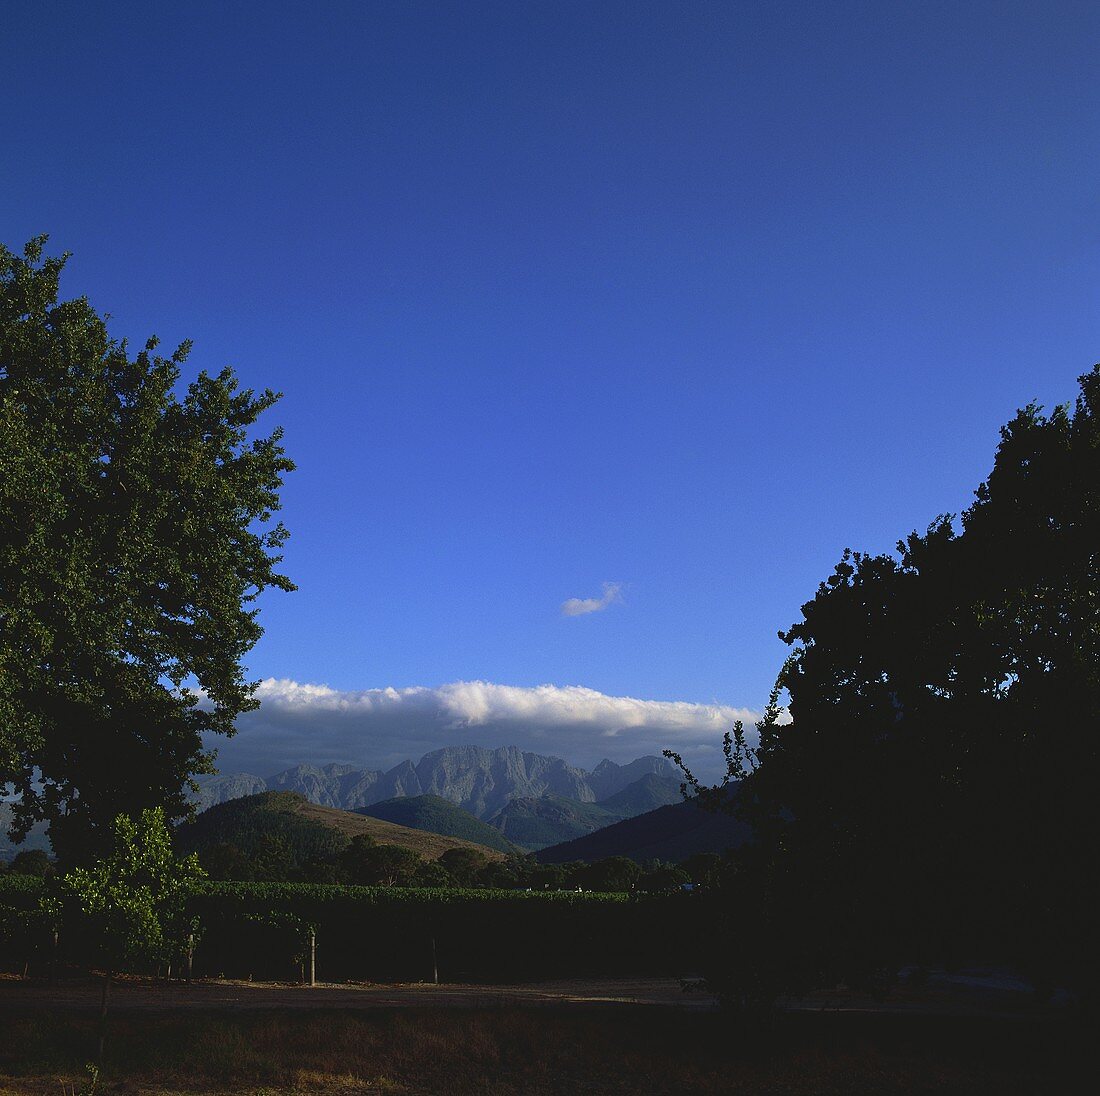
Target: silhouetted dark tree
{"points": [[32, 862], [225, 860], [931, 797], [131, 550], [463, 864], [366, 863], [613, 873]]}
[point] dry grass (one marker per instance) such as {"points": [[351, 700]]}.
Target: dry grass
{"points": [[431, 846], [548, 1051]]}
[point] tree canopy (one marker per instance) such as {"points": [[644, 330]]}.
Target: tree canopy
{"points": [[136, 896], [136, 532], [931, 796]]}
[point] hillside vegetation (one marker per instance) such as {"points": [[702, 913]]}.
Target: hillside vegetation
{"points": [[433, 814], [535, 822], [307, 830], [671, 833]]}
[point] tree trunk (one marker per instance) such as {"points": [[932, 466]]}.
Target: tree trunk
{"points": [[190, 954], [312, 956], [103, 1014], [435, 964]]}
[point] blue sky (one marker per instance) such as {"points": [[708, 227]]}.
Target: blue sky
{"points": [[683, 298]]}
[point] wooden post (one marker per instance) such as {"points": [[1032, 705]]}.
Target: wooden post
{"points": [[103, 1014], [312, 955]]}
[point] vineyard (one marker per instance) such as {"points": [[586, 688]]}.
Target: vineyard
{"points": [[269, 931]]}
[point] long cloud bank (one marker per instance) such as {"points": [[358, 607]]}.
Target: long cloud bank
{"points": [[377, 728]]}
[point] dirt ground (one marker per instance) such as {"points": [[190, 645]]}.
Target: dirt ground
{"points": [[146, 995], [944, 998], [615, 1037]]}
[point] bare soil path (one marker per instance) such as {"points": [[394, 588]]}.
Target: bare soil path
{"points": [[146, 995]]}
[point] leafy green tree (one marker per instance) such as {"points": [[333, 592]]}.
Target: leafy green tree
{"points": [[356, 860], [431, 873], [32, 862], [272, 859], [663, 878], [224, 860], [463, 864], [498, 874], [613, 873], [132, 546], [550, 876], [366, 863], [320, 869], [702, 868], [136, 899]]}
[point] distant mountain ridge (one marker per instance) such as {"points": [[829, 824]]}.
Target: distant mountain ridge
{"points": [[479, 780]]}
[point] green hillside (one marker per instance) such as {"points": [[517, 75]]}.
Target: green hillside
{"points": [[533, 823], [434, 814], [308, 830], [645, 794], [670, 833]]}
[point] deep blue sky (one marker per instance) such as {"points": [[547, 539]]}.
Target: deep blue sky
{"points": [[683, 296]]}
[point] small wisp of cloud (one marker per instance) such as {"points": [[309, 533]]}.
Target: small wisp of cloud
{"points": [[578, 606]]}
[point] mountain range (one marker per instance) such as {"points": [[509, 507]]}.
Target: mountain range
{"points": [[480, 781]]}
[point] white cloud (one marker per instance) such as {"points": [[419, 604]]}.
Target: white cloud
{"points": [[578, 606], [376, 728]]}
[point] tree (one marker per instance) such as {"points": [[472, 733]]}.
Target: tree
{"points": [[32, 862], [463, 864], [930, 798], [224, 860], [499, 874], [272, 859], [366, 863], [136, 899], [135, 534], [942, 753], [663, 877], [703, 868], [430, 873], [613, 873]]}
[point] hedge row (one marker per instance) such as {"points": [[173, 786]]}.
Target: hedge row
{"points": [[395, 934]]}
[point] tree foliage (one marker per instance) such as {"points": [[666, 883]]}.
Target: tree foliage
{"points": [[136, 898], [930, 798], [136, 531]]}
